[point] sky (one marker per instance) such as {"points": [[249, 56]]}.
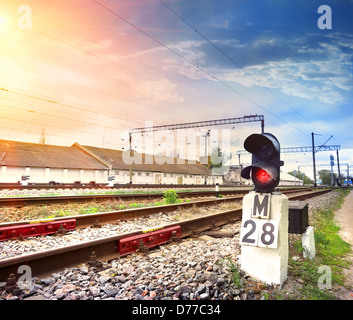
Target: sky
{"points": [[87, 71]]}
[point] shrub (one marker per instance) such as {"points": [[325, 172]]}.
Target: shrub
{"points": [[170, 197]]}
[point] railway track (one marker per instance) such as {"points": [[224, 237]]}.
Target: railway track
{"points": [[19, 202], [18, 186], [46, 262]]}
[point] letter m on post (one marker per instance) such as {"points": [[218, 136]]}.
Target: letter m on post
{"points": [[261, 206]]}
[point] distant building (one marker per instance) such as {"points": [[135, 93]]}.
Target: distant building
{"points": [[289, 180], [233, 176], [148, 170], [44, 163]]}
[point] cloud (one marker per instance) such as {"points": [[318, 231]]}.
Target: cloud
{"points": [[157, 91], [296, 67]]}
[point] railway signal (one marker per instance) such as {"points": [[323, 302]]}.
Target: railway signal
{"points": [[265, 168], [264, 230]]}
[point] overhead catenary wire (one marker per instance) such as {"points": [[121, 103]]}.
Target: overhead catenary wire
{"points": [[17, 119], [187, 86], [77, 107], [74, 46], [97, 56], [232, 59], [195, 65]]}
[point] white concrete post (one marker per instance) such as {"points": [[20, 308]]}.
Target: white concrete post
{"points": [[308, 243], [264, 237]]}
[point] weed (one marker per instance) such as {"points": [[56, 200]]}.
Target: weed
{"points": [[62, 213], [331, 250], [234, 272], [170, 197], [89, 210], [158, 203], [136, 205]]}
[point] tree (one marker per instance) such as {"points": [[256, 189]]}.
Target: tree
{"points": [[325, 176], [302, 176], [217, 161]]}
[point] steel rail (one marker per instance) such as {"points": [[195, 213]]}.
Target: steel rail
{"points": [[105, 186], [100, 218], [47, 262], [117, 186], [308, 195], [44, 263], [46, 200], [25, 201]]}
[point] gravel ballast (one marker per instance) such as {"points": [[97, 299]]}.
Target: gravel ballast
{"points": [[194, 269]]}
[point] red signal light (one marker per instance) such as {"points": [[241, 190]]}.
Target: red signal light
{"points": [[262, 176], [265, 167]]}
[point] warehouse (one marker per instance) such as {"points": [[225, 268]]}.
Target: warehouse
{"points": [[45, 163], [171, 172]]}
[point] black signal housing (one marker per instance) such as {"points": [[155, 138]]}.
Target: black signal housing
{"points": [[265, 168]]}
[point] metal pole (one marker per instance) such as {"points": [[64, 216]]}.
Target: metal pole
{"points": [[130, 166], [338, 166], [206, 157], [240, 167], [314, 166], [332, 164]]}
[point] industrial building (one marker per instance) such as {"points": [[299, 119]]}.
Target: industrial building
{"points": [[45, 163], [42, 163], [149, 170]]}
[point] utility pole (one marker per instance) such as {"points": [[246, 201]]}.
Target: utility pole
{"points": [[347, 174], [332, 164], [338, 167], [206, 157], [314, 166], [241, 168], [131, 155]]}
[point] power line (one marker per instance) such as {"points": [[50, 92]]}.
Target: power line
{"points": [[57, 117], [78, 107], [31, 122], [231, 59], [99, 57], [193, 64], [59, 133], [107, 60]]}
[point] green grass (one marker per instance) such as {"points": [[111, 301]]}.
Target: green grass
{"points": [[169, 197], [233, 272], [331, 251]]}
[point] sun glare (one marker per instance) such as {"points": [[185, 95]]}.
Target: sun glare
{"points": [[2, 23]]}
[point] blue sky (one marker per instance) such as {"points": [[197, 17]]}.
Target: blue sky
{"points": [[112, 65]]}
